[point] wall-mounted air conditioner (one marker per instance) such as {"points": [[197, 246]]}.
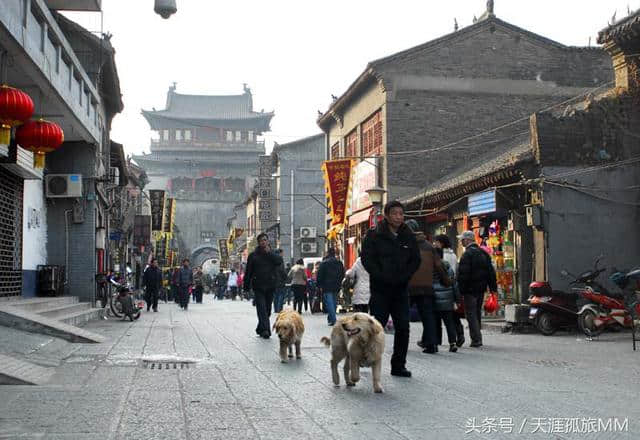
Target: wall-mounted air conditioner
{"points": [[309, 248], [308, 232], [63, 185]]}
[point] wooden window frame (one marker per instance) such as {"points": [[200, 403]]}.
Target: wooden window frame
{"points": [[372, 135]]}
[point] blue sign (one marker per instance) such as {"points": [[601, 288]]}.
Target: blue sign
{"points": [[482, 203], [115, 235]]}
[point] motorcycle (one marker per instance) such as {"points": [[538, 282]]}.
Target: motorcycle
{"points": [[116, 306], [551, 309]]}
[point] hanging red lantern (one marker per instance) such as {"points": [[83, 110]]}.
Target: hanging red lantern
{"points": [[16, 107], [39, 137]]}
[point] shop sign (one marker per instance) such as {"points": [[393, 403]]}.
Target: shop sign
{"points": [[157, 209], [115, 235], [142, 230], [169, 215], [482, 203], [337, 178], [364, 178], [224, 253], [207, 236], [265, 189]]}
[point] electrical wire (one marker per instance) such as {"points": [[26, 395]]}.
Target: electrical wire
{"points": [[596, 196]]}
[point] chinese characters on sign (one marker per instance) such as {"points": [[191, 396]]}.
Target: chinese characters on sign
{"points": [[169, 214], [224, 253], [364, 178], [207, 236], [157, 209], [265, 190], [142, 230], [337, 176]]}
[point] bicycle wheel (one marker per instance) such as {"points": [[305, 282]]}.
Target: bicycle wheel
{"points": [[102, 295], [115, 306]]}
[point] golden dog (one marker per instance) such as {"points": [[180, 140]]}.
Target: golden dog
{"points": [[290, 328], [360, 339]]}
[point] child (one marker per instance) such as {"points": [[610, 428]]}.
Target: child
{"points": [[126, 300]]}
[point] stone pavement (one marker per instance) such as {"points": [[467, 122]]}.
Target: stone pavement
{"points": [[238, 389]]}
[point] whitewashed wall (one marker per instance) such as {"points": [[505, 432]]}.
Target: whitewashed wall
{"points": [[34, 233]]}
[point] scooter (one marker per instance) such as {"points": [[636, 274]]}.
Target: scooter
{"points": [[606, 309], [551, 309]]}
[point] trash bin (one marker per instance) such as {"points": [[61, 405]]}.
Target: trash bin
{"points": [[50, 280]]}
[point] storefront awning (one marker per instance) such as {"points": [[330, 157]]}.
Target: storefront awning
{"points": [[360, 217]]}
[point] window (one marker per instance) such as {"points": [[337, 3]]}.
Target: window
{"points": [[372, 135], [250, 136], [178, 135], [238, 136], [335, 150], [351, 142], [165, 135], [187, 135], [229, 136]]}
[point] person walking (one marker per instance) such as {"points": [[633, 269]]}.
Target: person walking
{"points": [[475, 274], [220, 282], [260, 276], [152, 281], [281, 282], [185, 280], [361, 293], [443, 244], [421, 291], [330, 275], [390, 254], [198, 279], [446, 295], [175, 284], [298, 276], [232, 284]]}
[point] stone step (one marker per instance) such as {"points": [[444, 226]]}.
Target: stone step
{"points": [[64, 310], [38, 304], [17, 372], [81, 317], [32, 322]]}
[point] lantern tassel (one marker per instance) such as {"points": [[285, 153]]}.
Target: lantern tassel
{"points": [[5, 135], [38, 160]]}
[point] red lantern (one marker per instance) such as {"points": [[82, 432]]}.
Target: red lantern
{"points": [[16, 107], [39, 137]]}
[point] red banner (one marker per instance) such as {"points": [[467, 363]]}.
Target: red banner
{"points": [[337, 179]]}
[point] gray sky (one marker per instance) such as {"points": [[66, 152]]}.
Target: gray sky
{"points": [[295, 54]]}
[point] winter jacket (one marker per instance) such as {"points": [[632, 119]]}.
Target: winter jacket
{"points": [[450, 257], [361, 292], [330, 275], [445, 296], [152, 279], [260, 272], [476, 272], [185, 276], [422, 280], [233, 279], [198, 278], [220, 280], [298, 275], [390, 260], [281, 276]]}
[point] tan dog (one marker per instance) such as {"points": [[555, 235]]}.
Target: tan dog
{"points": [[360, 339], [290, 328]]}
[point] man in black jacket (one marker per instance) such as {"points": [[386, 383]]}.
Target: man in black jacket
{"points": [[152, 280], [260, 275], [390, 254], [475, 274], [330, 276]]}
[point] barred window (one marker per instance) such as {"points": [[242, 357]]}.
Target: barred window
{"points": [[351, 142], [372, 135], [335, 150]]}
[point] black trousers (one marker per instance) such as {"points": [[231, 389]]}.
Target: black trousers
{"points": [[394, 301], [473, 312], [459, 328], [363, 308], [299, 297], [263, 300], [184, 296], [426, 306], [152, 299], [198, 290], [446, 317]]}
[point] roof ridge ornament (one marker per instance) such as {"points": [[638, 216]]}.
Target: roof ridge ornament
{"points": [[490, 6]]}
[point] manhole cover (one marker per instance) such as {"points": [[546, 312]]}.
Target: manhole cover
{"points": [[551, 363], [169, 363]]}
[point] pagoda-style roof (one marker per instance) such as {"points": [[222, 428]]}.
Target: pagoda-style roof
{"points": [[226, 110], [623, 31]]}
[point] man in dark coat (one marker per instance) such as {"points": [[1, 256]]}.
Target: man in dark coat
{"points": [[152, 281], [185, 280], [390, 254], [221, 284], [261, 276], [475, 274], [329, 281]]}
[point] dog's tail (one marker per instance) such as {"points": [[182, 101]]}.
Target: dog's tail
{"points": [[326, 341]]}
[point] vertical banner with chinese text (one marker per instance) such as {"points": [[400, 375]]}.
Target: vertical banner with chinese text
{"points": [[224, 253], [157, 209], [337, 179]]}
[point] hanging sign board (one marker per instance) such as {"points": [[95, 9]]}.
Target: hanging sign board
{"points": [[157, 209], [482, 203], [337, 179]]}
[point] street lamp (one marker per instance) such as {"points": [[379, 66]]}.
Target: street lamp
{"points": [[376, 194], [165, 8]]}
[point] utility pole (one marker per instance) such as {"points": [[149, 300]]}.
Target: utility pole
{"points": [[291, 241]]}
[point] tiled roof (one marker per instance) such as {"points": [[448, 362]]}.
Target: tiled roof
{"points": [[226, 107], [626, 29], [499, 159]]}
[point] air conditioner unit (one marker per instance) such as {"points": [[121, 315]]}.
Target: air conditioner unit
{"points": [[309, 248], [63, 185], [308, 232], [114, 175]]}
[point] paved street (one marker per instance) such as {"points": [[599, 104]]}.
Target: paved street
{"points": [[238, 389]]}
